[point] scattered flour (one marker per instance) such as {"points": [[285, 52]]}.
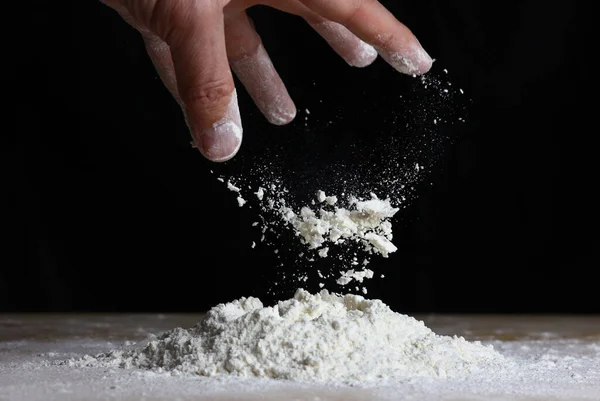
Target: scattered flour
{"points": [[232, 187], [364, 221], [349, 275], [260, 193], [323, 252], [350, 223], [322, 337]]}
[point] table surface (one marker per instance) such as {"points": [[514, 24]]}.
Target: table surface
{"points": [[569, 347]]}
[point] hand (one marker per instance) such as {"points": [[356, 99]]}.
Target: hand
{"points": [[193, 43]]}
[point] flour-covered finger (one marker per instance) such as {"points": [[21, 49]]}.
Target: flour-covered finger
{"points": [[204, 80], [160, 54], [197, 72], [353, 50], [374, 24], [356, 52], [157, 49], [253, 67]]}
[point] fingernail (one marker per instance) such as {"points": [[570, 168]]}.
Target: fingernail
{"points": [[412, 60], [223, 139]]}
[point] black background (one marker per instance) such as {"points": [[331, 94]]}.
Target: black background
{"points": [[108, 208]]}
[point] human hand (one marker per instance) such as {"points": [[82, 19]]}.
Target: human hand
{"points": [[195, 44]]}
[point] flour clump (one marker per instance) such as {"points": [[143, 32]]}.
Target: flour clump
{"points": [[365, 221], [322, 337]]}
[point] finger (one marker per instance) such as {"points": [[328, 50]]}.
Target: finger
{"points": [[194, 32], [354, 51], [160, 54], [253, 67], [157, 49], [373, 23]]}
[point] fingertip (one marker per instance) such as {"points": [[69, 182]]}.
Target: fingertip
{"points": [[364, 56], [258, 75], [280, 113], [411, 61], [219, 143], [353, 50]]}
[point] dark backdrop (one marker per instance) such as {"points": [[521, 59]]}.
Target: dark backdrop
{"points": [[108, 208]]}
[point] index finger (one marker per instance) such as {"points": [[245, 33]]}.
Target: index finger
{"points": [[374, 24]]}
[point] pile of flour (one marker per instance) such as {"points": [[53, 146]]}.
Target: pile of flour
{"points": [[320, 337]]}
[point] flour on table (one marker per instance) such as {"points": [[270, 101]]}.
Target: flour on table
{"points": [[321, 337]]}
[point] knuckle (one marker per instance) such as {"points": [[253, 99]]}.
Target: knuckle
{"points": [[166, 16], [383, 41], [163, 17], [209, 96]]}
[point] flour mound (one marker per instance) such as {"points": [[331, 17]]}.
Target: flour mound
{"points": [[320, 337]]}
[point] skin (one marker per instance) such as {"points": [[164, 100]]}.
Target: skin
{"points": [[196, 46]]}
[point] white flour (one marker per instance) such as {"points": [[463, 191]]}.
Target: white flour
{"points": [[349, 275], [320, 337], [341, 221], [325, 223], [365, 221]]}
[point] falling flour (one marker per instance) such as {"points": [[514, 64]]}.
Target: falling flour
{"points": [[364, 221], [322, 337], [349, 275], [326, 223], [348, 221]]}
